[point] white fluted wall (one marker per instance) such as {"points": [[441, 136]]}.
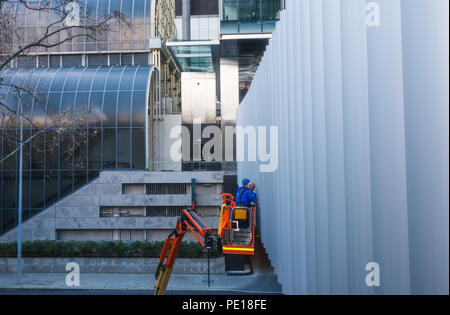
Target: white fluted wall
{"points": [[363, 146]]}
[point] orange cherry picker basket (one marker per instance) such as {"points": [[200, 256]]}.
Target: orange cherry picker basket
{"points": [[237, 227]]}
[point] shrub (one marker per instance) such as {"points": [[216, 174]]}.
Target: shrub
{"points": [[105, 249], [8, 249], [86, 249], [151, 249]]}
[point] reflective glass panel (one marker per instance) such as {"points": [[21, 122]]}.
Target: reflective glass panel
{"points": [[123, 148], [95, 148], [123, 109], [109, 148], [138, 148], [109, 109]]}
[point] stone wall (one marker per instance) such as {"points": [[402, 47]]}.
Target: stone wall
{"points": [[81, 210], [112, 265]]}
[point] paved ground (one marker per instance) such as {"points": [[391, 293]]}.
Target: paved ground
{"points": [[253, 284]]}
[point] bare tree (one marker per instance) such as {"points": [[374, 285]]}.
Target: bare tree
{"points": [[69, 21]]}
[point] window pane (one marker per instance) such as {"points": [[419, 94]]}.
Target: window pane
{"points": [[126, 83], [98, 60], [100, 79], [66, 151], [27, 102], [72, 80], [51, 187], [109, 109], [127, 59], [52, 149], [271, 9], [26, 149], [123, 150], [54, 102], [249, 16], [9, 190], [37, 190], [95, 150], [114, 37], [44, 17], [37, 155], [138, 34], [80, 178], [85, 81], [81, 110], [95, 109], [93, 175], [91, 11], [138, 109], [138, 148], [115, 6], [139, 11], [103, 9], [9, 146], [114, 79], [141, 80], [71, 61], [123, 111], [109, 148], [114, 60], [58, 82], [127, 9], [126, 31], [178, 7], [10, 117], [141, 59], [66, 183], [55, 61], [80, 151], [67, 108], [9, 219], [230, 10], [204, 7], [26, 202], [39, 109], [45, 80]]}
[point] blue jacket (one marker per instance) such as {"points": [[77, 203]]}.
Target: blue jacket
{"points": [[246, 197], [238, 194]]}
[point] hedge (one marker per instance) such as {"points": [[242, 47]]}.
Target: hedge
{"points": [[106, 249]]}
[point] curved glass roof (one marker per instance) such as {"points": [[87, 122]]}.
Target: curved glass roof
{"points": [[93, 96]]}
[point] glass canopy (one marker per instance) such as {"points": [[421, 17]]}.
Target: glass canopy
{"points": [[80, 121], [193, 56]]}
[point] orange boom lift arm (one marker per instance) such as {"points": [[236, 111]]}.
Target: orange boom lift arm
{"points": [[188, 221]]}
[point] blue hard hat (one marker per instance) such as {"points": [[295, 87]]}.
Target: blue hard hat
{"points": [[245, 181]]}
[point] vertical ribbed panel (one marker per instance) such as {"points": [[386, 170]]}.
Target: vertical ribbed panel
{"points": [[363, 133]]}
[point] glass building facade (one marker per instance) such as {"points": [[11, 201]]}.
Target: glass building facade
{"points": [[81, 120], [250, 16], [131, 35]]}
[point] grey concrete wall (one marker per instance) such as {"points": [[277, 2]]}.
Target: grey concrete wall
{"points": [[81, 210], [112, 265]]}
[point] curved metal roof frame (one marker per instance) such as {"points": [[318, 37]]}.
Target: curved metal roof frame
{"points": [[93, 96]]}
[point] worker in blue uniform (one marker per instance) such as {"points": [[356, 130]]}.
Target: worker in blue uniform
{"points": [[245, 182], [248, 196]]}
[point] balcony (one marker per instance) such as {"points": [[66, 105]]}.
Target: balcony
{"points": [[250, 16]]}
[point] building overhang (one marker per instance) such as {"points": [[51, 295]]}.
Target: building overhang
{"points": [[194, 56]]}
